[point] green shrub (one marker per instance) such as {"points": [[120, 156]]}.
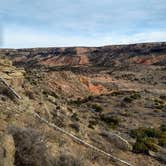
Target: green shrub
{"points": [[145, 132], [159, 104], [163, 127], [30, 94], [75, 126], [152, 132], [80, 101], [163, 97], [162, 138], [162, 142], [138, 133], [49, 92], [92, 123], [135, 96], [127, 99], [158, 101], [67, 160], [116, 93], [143, 145], [30, 150], [97, 108], [112, 121], [151, 143], [148, 139], [75, 117], [140, 147]]}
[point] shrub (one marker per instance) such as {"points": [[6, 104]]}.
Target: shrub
{"points": [[67, 160], [148, 138], [152, 132], [162, 142], [30, 150], [163, 97], [145, 132], [127, 100], [132, 97], [75, 126], [92, 123], [163, 127], [48, 92], [97, 108], [151, 143], [158, 101], [143, 145], [59, 121], [7, 92], [140, 147], [112, 121], [159, 104], [116, 93], [78, 102], [138, 133], [89, 98], [135, 96], [75, 117], [30, 94]]}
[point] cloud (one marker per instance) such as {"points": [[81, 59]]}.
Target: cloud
{"points": [[23, 37], [81, 20]]}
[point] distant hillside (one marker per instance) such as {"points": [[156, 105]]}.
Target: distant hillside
{"points": [[145, 53]]}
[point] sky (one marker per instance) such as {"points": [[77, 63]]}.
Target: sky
{"points": [[58, 23]]}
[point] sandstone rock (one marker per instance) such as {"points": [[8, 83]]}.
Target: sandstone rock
{"points": [[5, 62], [7, 150], [10, 73], [3, 124]]}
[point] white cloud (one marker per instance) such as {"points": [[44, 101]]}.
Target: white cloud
{"points": [[16, 37]]}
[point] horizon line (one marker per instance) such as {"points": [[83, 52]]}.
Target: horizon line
{"points": [[38, 47]]}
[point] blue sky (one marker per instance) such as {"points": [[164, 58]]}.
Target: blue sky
{"points": [[43, 23]]}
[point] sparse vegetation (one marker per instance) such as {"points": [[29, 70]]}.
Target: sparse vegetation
{"points": [[97, 108], [127, 99], [75, 126], [75, 117], [51, 93], [92, 123], [111, 94], [159, 104], [163, 127], [148, 139], [30, 94], [67, 160], [111, 120], [6, 92], [134, 96], [163, 97], [29, 149]]}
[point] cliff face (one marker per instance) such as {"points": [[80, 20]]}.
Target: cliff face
{"points": [[10, 73], [149, 53]]}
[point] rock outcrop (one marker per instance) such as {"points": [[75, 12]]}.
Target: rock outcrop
{"points": [[7, 150], [10, 73]]}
